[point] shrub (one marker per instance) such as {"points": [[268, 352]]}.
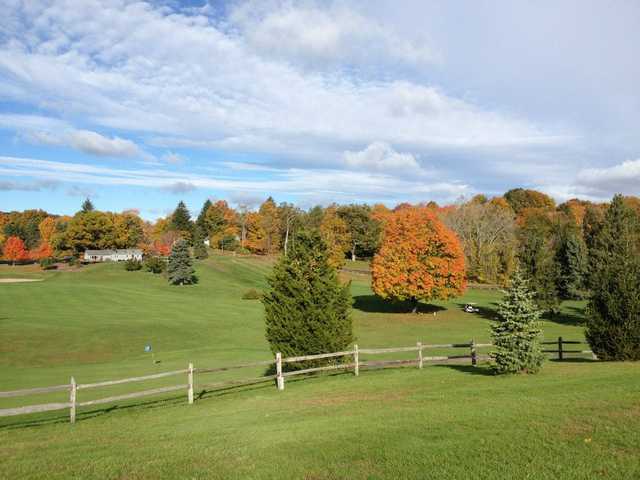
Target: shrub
{"points": [[613, 320], [516, 334], [48, 263], [180, 267], [307, 309], [155, 264], [252, 294], [132, 265]]}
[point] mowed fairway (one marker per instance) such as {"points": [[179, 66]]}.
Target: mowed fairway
{"points": [[577, 419]]}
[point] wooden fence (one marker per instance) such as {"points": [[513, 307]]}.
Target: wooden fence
{"points": [[356, 364]]}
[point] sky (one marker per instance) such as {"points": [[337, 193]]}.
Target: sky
{"points": [[138, 105]]}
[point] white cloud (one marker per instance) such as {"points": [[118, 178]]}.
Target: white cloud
{"points": [[381, 157], [307, 185], [187, 79], [324, 35], [621, 178], [96, 144]]}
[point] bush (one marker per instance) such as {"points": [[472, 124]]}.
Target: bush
{"points": [[48, 263], [307, 309], [252, 294], [155, 265], [132, 265]]}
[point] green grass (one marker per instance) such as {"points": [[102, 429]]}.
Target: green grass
{"points": [[577, 419]]}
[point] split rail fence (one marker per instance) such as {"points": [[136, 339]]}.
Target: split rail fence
{"points": [[356, 364]]}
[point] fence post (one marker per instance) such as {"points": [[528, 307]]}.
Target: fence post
{"points": [[356, 360], [474, 353], [420, 355], [72, 400], [279, 377], [190, 383], [560, 353]]}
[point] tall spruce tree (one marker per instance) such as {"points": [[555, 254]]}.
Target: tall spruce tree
{"points": [[181, 220], [517, 333], [199, 247], [571, 259], [201, 222], [613, 320], [180, 266], [307, 309]]}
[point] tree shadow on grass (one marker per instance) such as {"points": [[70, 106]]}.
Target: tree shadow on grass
{"points": [[481, 370], [375, 304], [488, 312], [573, 316]]}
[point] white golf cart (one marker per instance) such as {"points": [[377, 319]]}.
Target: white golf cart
{"points": [[471, 308]]}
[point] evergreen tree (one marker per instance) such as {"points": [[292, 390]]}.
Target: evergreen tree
{"points": [[199, 248], [180, 267], [202, 222], [613, 320], [307, 309], [87, 206], [517, 333], [571, 259], [181, 220]]}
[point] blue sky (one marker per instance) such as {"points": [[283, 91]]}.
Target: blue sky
{"points": [[140, 105]]}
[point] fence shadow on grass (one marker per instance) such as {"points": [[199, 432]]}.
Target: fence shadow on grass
{"points": [[375, 304]]}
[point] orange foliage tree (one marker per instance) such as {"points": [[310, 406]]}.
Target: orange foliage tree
{"points": [[14, 250], [420, 259], [44, 250]]}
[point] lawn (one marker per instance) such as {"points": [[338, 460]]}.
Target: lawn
{"points": [[577, 419]]}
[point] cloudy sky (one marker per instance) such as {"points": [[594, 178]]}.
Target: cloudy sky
{"points": [[139, 105]]}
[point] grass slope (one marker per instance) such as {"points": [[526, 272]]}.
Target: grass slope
{"points": [[575, 420]]}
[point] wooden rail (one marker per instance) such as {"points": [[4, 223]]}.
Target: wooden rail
{"points": [[354, 362]]}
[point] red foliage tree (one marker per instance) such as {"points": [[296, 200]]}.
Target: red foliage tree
{"points": [[43, 251], [14, 250], [420, 258]]}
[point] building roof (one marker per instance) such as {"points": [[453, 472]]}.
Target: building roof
{"points": [[119, 251]]}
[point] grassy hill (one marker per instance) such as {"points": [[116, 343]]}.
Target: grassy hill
{"points": [[577, 419]]}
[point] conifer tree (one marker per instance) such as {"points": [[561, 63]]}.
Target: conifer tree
{"points": [[613, 320], [307, 309], [199, 248], [517, 332], [87, 206], [180, 267], [571, 258], [202, 222], [181, 220]]}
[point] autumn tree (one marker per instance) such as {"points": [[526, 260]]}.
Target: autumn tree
{"points": [[14, 250], [270, 224], [90, 230], [487, 232], [25, 225], [520, 199], [128, 230], [221, 224], [290, 221], [420, 259], [335, 234]]}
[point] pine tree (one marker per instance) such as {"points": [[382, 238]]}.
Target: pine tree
{"points": [[571, 259], [180, 267], [517, 333], [87, 206], [307, 309], [613, 320], [202, 222], [199, 248], [181, 220]]}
